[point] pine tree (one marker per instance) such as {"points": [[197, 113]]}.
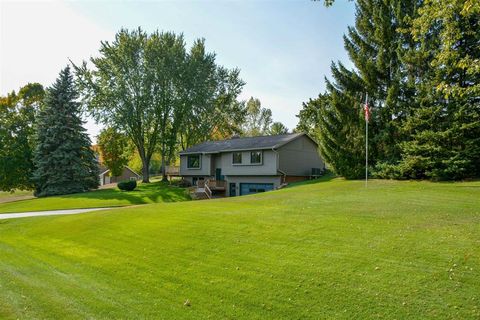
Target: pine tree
{"points": [[64, 160], [445, 130], [376, 47]]}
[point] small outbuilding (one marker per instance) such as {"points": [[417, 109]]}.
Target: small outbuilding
{"points": [[127, 174]]}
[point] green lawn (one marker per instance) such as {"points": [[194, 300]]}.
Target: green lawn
{"points": [[144, 193], [327, 250]]}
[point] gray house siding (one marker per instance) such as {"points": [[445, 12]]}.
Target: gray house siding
{"points": [[268, 166], [298, 157], [204, 170]]}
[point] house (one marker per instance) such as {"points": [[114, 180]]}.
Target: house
{"points": [[241, 166], [106, 178]]}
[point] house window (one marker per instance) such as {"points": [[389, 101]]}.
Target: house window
{"points": [[237, 158], [193, 161], [255, 157]]}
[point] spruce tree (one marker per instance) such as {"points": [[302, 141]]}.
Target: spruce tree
{"points": [[64, 161], [376, 46], [445, 131]]}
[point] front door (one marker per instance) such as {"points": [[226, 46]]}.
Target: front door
{"points": [[218, 174], [233, 189]]}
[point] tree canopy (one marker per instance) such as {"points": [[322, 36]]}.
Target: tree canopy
{"points": [[418, 61], [160, 95], [17, 136], [114, 150], [278, 128], [257, 119]]}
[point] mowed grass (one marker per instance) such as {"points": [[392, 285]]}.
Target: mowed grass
{"points": [[16, 193], [144, 193], [327, 250]]}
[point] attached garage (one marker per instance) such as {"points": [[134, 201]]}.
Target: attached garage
{"points": [[251, 188]]}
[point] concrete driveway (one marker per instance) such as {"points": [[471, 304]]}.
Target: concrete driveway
{"points": [[48, 213]]}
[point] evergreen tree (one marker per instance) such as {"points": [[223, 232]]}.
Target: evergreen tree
{"points": [[64, 160], [445, 130], [377, 48]]}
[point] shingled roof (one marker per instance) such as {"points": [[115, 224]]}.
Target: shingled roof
{"points": [[238, 144]]}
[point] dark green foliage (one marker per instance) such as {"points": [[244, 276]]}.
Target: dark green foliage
{"points": [[127, 185], [419, 63], [445, 131], [17, 120], [64, 160], [374, 45]]}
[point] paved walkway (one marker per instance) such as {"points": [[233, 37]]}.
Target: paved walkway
{"points": [[48, 213]]}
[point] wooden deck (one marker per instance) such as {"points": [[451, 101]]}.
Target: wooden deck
{"points": [[212, 188], [219, 185]]}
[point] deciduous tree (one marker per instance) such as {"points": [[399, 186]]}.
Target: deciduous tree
{"points": [[17, 131], [114, 150], [257, 120], [151, 88], [278, 128]]}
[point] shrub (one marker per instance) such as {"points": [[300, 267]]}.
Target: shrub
{"points": [[182, 183], [127, 185], [384, 170]]}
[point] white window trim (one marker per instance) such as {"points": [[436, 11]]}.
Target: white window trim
{"points": [[199, 160], [256, 163], [241, 158]]}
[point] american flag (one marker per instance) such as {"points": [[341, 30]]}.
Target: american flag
{"points": [[366, 109]]}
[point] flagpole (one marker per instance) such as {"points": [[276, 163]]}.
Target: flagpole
{"points": [[366, 140]]}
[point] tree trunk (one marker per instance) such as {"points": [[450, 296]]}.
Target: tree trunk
{"points": [[164, 168], [145, 170]]}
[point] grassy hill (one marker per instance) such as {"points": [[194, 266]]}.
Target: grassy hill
{"points": [[145, 193], [324, 250]]}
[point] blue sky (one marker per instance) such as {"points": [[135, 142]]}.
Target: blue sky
{"points": [[283, 48]]}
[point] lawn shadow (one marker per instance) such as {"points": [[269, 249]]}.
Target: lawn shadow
{"points": [[145, 193], [325, 178], [165, 192]]}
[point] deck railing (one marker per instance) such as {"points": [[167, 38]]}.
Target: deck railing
{"points": [[217, 184], [208, 192]]}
